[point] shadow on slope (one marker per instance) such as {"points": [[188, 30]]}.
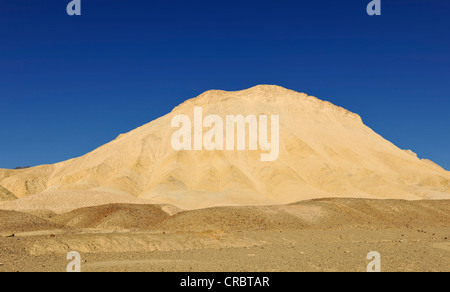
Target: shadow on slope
{"points": [[6, 195]]}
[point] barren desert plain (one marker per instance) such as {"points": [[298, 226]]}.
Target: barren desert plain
{"points": [[336, 192]]}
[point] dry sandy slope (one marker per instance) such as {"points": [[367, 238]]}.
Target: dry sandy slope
{"points": [[12, 221], [114, 216], [315, 214], [325, 151], [65, 201]]}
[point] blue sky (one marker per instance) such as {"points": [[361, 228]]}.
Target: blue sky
{"points": [[71, 84]]}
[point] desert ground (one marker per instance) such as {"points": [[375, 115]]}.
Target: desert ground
{"points": [[318, 235]]}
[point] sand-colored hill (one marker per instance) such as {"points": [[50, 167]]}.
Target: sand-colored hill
{"points": [[12, 221], [66, 201], [313, 214], [325, 151], [114, 216]]}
